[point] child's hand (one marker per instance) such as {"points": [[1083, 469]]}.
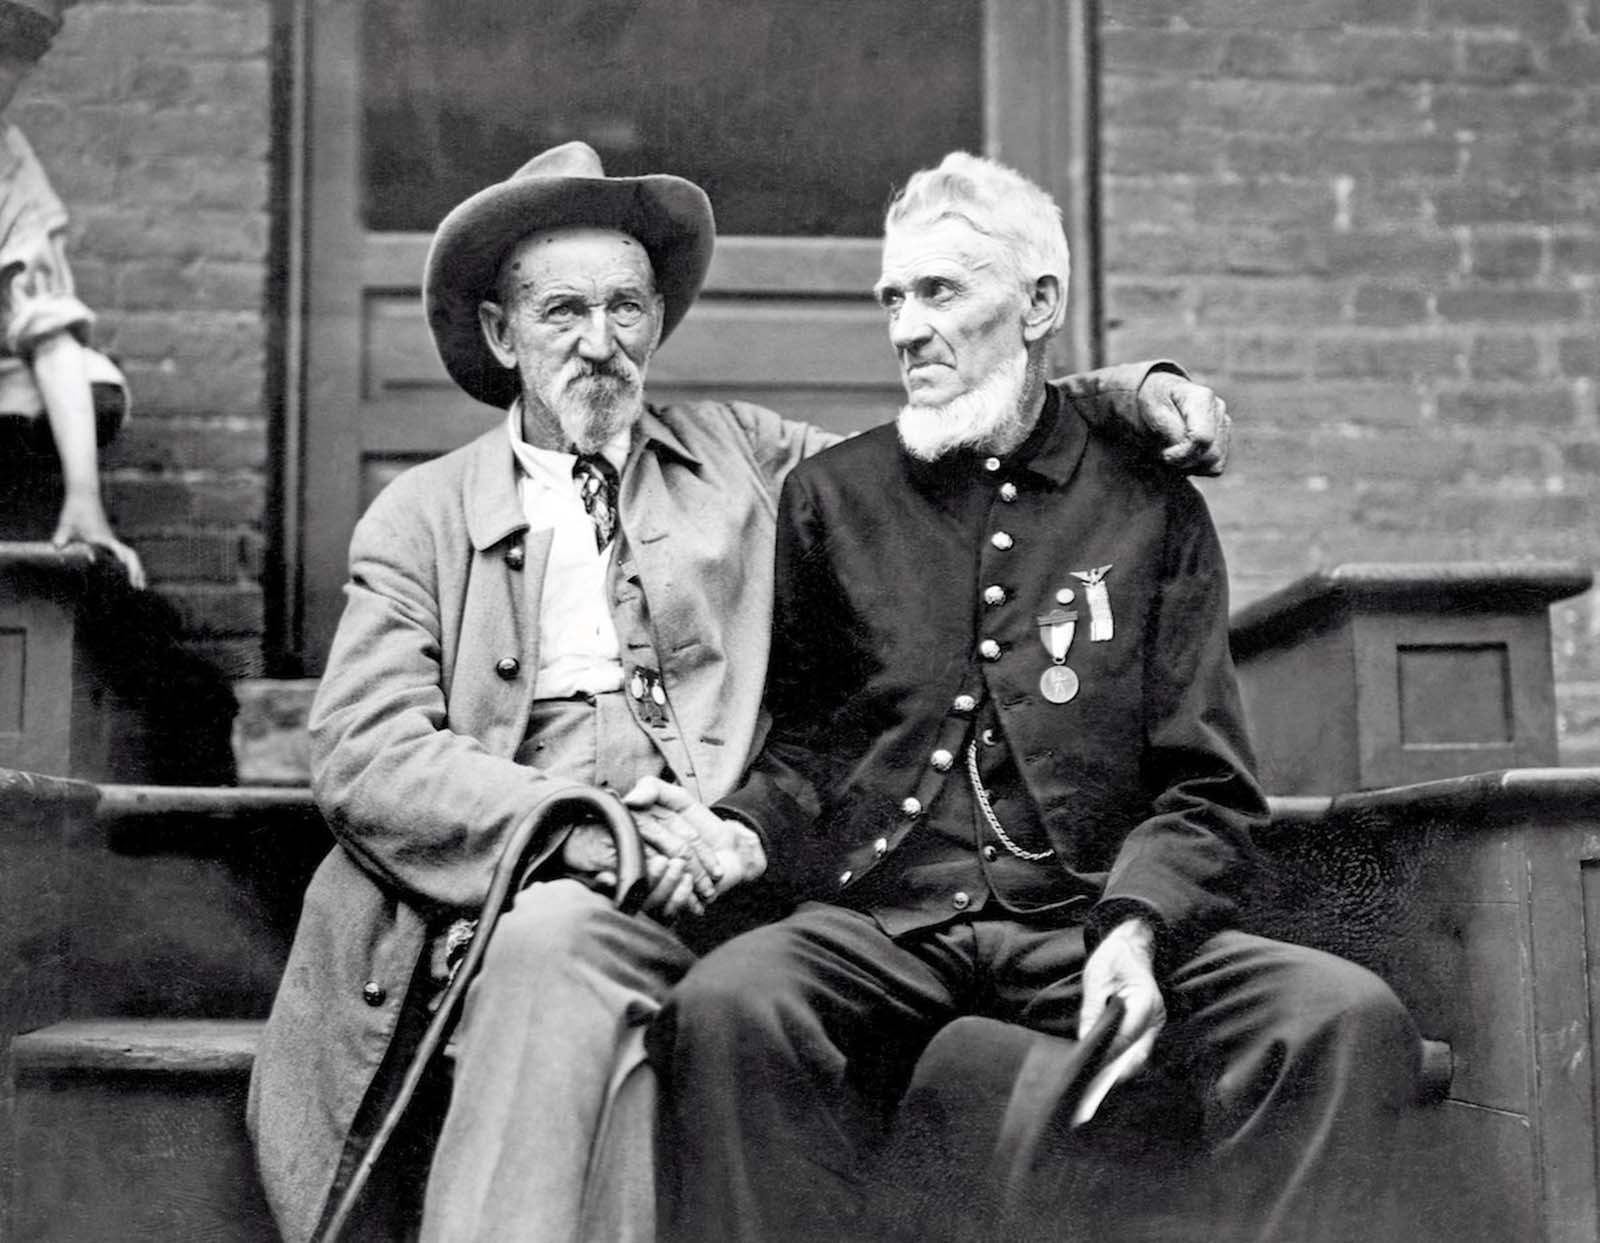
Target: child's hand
{"points": [[83, 521]]}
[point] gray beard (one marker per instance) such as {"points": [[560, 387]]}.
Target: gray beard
{"points": [[593, 409], [981, 418]]}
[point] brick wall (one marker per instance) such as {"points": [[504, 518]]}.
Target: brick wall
{"points": [[1375, 225], [153, 122]]}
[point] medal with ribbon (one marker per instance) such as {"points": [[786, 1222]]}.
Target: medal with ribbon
{"points": [[1058, 684], [1094, 594]]}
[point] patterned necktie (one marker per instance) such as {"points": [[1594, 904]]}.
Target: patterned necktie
{"points": [[597, 485]]}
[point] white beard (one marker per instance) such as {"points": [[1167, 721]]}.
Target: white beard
{"points": [[987, 415], [592, 409]]}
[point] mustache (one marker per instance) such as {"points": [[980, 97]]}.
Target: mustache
{"points": [[618, 370]]}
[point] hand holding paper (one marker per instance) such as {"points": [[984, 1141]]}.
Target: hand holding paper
{"points": [[1121, 966]]}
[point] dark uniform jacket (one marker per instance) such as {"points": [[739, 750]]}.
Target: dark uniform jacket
{"points": [[908, 611]]}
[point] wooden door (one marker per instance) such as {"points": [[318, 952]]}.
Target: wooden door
{"points": [[786, 318]]}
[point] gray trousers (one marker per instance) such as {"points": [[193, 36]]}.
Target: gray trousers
{"points": [[548, 1133]]}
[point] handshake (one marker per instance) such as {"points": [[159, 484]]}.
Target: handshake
{"points": [[692, 856]]}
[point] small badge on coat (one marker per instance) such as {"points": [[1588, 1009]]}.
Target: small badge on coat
{"points": [[1094, 594], [649, 696]]}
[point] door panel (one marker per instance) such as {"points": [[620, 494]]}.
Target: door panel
{"points": [[784, 320]]}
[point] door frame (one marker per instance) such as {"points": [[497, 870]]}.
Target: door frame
{"points": [[1041, 94]]}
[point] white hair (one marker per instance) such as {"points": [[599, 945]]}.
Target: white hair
{"points": [[1001, 204]]}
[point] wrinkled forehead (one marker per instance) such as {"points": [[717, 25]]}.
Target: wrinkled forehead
{"points": [[580, 257], [947, 243]]}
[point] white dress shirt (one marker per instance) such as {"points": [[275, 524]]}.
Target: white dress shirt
{"points": [[578, 649]]}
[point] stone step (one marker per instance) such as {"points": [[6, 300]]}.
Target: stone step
{"points": [[269, 732], [133, 1129]]}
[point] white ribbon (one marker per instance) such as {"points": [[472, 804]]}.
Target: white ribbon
{"points": [[1094, 592]]}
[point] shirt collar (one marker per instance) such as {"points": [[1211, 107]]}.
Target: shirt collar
{"points": [[552, 467]]}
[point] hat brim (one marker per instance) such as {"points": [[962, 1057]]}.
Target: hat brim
{"points": [[671, 218]]}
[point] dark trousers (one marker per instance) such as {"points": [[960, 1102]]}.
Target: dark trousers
{"points": [[1267, 1114]]}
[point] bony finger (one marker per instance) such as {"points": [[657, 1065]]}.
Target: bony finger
{"points": [[682, 898], [1199, 409], [672, 797], [661, 892], [668, 838], [656, 869], [1184, 453], [644, 792], [689, 900], [660, 836], [705, 854]]}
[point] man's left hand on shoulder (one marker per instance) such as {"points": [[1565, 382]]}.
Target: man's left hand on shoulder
{"points": [[1189, 419]]}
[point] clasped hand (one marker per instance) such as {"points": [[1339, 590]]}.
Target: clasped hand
{"points": [[691, 855]]}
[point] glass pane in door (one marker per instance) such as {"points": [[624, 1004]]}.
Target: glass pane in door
{"points": [[797, 118]]}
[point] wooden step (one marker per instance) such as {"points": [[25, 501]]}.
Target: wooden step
{"points": [[151, 900], [134, 1129]]}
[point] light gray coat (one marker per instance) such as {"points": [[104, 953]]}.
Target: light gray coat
{"points": [[413, 729]]}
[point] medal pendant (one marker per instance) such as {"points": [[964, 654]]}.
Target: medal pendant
{"points": [[1058, 684]]}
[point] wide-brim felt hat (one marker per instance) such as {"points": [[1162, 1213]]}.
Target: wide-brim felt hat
{"points": [[562, 187], [28, 26]]}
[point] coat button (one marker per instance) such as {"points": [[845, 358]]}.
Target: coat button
{"points": [[941, 760], [912, 807], [991, 463], [989, 650], [844, 877], [508, 667], [1008, 491], [990, 853], [960, 900], [373, 993], [880, 847], [1001, 540], [963, 704], [1065, 596], [515, 556], [994, 595]]}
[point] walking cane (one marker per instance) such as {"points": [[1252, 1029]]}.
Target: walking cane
{"points": [[630, 892]]}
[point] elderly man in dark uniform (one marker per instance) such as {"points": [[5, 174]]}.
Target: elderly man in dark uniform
{"points": [[581, 595], [1008, 776]]}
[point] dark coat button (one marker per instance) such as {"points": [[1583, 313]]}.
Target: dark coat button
{"points": [[508, 667], [515, 556], [373, 993]]}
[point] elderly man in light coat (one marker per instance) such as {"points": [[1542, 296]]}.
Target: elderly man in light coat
{"points": [[581, 595]]}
